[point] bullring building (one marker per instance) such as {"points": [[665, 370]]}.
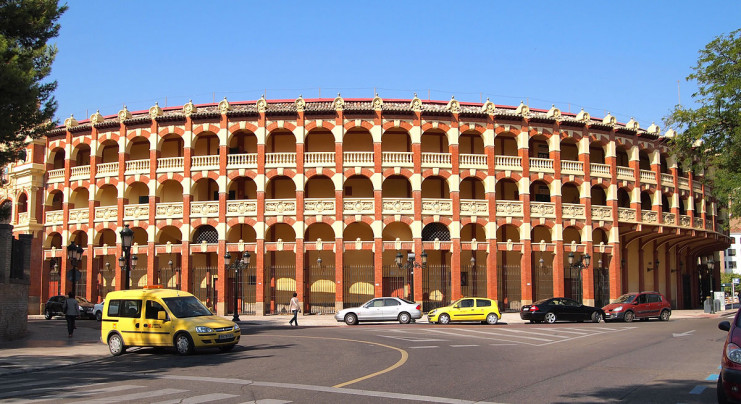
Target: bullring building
{"points": [[341, 200]]}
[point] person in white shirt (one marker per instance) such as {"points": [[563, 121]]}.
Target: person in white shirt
{"points": [[294, 309]]}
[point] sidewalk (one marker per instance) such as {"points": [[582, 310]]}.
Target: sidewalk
{"points": [[47, 346]]}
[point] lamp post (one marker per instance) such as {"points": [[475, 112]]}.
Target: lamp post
{"points": [[711, 265], [473, 271], [410, 264], [127, 238], [237, 266], [578, 264], [74, 255], [55, 275]]}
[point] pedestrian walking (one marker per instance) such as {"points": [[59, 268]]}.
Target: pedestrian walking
{"points": [[293, 307], [71, 311]]}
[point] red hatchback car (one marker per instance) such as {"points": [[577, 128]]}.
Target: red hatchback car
{"points": [[729, 382], [639, 305]]}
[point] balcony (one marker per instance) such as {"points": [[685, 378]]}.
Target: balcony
{"points": [[397, 159], [569, 167], [626, 215], [573, 211], [668, 218], [509, 209], [137, 167], [136, 212], [398, 206], [696, 186], [543, 210], [359, 206], [107, 170], [23, 218], [54, 217], [237, 161], [667, 180], [170, 210], [56, 175], [441, 160], [318, 206], [81, 215], [474, 207], [601, 213], [599, 170], [648, 177], [539, 165], [476, 161], [625, 173], [80, 173], [508, 163], [437, 207], [170, 164], [106, 214], [282, 160], [204, 163], [358, 159], [319, 159], [683, 183], [204, 209], [244, 207], [650, 217], [279, 207]]}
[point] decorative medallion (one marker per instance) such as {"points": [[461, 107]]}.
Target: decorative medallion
{"points": [[416, 104], [155, 111], [124, 114], [189, 108], [632, 124], [300, 104], [609, 120], [523, 110], [654, 129], [488, 107], [454, 106], [377, 103], [262, 105], [70, 122], [583, 116], [554, 112], [224, 106], [670, 134], [96, 117], [338, 104]]}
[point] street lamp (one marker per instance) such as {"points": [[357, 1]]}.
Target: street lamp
{"points": [[578, 264], [410, 265], [55, 275], [237, 266], [127, 238], [74, 255]]}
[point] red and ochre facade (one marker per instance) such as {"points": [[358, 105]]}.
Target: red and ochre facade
{"points": [[325, 193]]}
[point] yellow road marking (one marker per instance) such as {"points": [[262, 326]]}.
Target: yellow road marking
{"points": [[404, 356]]}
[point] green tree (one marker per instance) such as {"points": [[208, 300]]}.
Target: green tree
{"points": [[27, 105], [710, 134]]}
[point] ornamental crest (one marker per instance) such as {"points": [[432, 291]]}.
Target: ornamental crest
{"points": [[653, 129], [155, 111], [632, 124], [124, 114], [70, 122], [554, 112], [670, 133], [488, 107], [416, 104], [609, 120], [523, 110], [583, 116], [189, 108], [453, 105], [377, 103], [300, 104], [338, 103], [96, 118], [262, 105], [224, 106]]}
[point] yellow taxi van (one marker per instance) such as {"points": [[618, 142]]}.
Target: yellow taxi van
{"points": [[156, 317]]}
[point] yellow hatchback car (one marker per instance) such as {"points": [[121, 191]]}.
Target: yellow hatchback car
{"points": [[155, 317], [467, 309]]}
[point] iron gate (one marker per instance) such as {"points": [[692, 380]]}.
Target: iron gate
{"points": [[280, 285], [508, 287], [473, 281], [395, 282], [543, 282], [321, 289], [246, 291], [138, 278], [106, 286], [168, 278], [573, 284], [358, 281], [202, 281], [435, 286], [81, 285], [601, 287]]}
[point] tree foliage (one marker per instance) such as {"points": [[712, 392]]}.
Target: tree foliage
{"points": [[27, 105], [710, 134]]}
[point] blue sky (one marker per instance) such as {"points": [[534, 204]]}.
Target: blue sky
{"points": [[622, 57]]}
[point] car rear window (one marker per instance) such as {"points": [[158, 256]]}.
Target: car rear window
{"points": [[483, 303], [654, 298], [125, 308]]}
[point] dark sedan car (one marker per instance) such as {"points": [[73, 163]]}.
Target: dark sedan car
{"points": [[729, 382], [560, 309], [53, 307]]}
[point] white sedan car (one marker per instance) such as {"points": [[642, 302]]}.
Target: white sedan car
{"points": [[98, 310], [382, 309]]}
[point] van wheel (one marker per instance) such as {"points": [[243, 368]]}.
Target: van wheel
{"points": [[664, 316], [116, 345], [183, 344], [47, 314], [629, 316]]}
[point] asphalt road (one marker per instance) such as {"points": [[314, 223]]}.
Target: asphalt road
{"points": [[662, 362]]}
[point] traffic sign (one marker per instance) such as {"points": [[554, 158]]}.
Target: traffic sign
{"points": [[736, 281]]}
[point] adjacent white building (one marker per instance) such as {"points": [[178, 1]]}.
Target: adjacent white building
{"points": [[733, 253]]}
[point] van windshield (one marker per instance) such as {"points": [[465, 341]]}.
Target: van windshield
{"points": [[186, 306]]}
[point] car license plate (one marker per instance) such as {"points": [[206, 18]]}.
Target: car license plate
{"points": [[226, 336]]}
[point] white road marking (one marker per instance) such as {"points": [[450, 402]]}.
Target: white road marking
{"points": [[134, 396], [684, 334], [532, 332], [200, 399], [423, 346], [497, 333], [42, 389], [413, 339], [463, 345], [77, 394], [697, 390], [267, 401]]}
